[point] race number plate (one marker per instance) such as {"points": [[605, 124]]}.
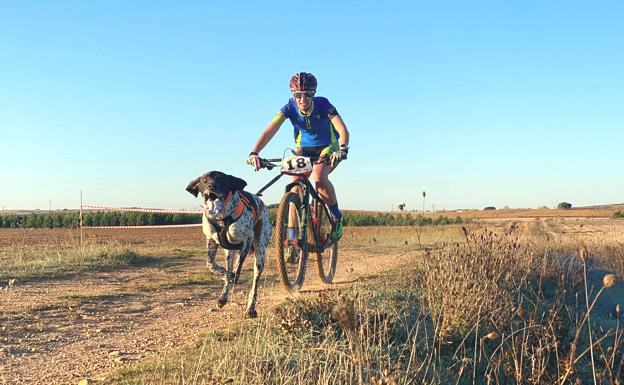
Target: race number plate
{"points": [[296, 165]]}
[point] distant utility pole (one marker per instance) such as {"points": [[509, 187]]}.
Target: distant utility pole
{"points": [[424, 194], [433, 208], [50, 206]]}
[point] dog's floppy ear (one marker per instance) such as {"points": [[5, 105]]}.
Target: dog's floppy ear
{"points": [[193, 187], [236, 183]]}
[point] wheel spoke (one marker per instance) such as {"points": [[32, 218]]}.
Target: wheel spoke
{"points": [[290, 244], [327, 252]]}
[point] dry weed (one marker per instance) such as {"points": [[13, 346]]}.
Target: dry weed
{"points": [[480, 280]]}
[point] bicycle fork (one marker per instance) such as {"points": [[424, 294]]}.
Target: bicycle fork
{"points": [[299, 221]]}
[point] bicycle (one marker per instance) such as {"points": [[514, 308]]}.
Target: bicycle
{"points": [[301, 225]]}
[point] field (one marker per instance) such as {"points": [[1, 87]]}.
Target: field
{"points": [[501, 300], [604, 211]]}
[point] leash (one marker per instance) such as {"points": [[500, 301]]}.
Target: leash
{"points": [[266, 186]]}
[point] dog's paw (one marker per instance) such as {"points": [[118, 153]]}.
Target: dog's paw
{"points": [[251, 313]]}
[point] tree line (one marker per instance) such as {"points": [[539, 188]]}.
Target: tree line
{"points": [[95, 218], [129, 218], [388, 219]]}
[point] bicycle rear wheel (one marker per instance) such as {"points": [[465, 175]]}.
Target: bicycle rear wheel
{"points": [[326, 249], [292, 252]]}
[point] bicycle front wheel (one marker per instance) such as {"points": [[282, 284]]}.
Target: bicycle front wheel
{"points": [[326, 250], [292, 248]]}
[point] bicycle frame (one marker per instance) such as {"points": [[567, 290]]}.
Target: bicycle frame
{"points": [[302, 208], [307, 190]]}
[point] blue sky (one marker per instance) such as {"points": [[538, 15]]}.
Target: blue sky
{"points": [[481, 103]]}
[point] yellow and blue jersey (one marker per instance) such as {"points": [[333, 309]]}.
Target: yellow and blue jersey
{"points": [[314, 129]]}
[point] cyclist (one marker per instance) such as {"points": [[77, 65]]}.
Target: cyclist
{"points": [[319, 131]]}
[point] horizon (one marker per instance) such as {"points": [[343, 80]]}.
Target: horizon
{"points": [[480, 104], [615, 206]]}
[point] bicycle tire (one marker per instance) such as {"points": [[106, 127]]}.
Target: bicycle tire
{"points": [[326, 250], [292, 280]]}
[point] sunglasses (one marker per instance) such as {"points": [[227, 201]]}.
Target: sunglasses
{"points": [[301, 94]]}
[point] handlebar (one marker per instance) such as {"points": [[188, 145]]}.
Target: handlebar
{"points": [[269, 164]]}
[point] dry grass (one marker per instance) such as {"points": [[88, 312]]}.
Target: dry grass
{"points": [[501, 306], [30, 253], [38, 261], [605, 211], [324, 339], [409, 238], [466, 284]]}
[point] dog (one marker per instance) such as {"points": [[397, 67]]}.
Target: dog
{"points": [[236, 220]]}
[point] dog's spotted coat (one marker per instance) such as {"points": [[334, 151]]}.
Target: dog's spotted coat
{"points": [[215, 188]]}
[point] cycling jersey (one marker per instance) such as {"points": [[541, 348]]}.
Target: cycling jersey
{"points": [[314, 129]]}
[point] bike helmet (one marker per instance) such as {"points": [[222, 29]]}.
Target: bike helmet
{"points": [[303, 81]]}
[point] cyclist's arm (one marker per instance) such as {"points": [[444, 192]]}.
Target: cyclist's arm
{"points": [[269, 132], [340, 126]]}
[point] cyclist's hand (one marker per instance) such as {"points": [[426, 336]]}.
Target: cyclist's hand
{"points": [[338, 156], [254, 160]]}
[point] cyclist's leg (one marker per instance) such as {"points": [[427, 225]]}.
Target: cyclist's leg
{"points": [[325, 188], [320, 176]]}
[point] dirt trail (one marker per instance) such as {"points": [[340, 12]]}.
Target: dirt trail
{"points": [[60, 331]]}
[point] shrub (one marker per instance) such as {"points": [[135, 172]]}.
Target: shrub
{"points": [[489, 208], [564, 206], [463, 285]]}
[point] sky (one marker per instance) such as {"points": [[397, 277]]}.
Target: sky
{"points": [[480, 103]]}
